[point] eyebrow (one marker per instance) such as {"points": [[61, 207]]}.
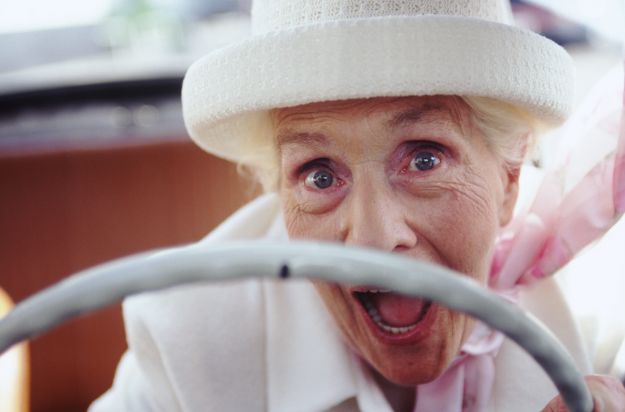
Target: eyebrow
{"points": [[414, 115], [311, 139]]}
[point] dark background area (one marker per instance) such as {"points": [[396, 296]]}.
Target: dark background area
{"points": [[71, 198]]}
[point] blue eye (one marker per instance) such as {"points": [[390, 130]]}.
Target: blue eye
{"points": [[424, 160], [321, 179]]}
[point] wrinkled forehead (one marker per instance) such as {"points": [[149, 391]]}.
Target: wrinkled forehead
{"points": [[394, 112]]}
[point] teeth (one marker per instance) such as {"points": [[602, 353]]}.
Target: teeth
{"points": [[373, 312], [378, 290]]}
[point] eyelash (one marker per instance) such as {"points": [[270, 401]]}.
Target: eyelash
{"points": [[419, 147], [425, 145], [313, 164]]}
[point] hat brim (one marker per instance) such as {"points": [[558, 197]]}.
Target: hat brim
{"points": [[226, 94]]}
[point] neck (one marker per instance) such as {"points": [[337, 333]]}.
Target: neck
{"points": [[401, 398]]}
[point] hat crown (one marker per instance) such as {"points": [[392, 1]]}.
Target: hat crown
{"points": [[275, 15]]}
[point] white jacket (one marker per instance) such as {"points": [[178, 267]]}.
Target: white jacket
{"points": [[271, 346]]}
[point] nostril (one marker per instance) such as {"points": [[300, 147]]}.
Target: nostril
{"points": [[401, 248]]}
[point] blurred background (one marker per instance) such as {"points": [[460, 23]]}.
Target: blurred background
{"points": [[95, 162]]}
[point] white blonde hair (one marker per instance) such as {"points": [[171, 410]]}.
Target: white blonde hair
{"points": [[510, 132]]}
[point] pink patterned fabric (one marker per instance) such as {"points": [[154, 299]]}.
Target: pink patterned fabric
{"points": [[580, 198], [467, 383], [572, 208]]}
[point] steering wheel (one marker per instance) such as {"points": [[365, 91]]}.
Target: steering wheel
{"points": [[109, 283]]}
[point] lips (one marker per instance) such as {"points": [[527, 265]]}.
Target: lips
{"points": [[392, 316]]}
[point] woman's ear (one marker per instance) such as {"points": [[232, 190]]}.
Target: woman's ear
{"points": [[510, 194]]}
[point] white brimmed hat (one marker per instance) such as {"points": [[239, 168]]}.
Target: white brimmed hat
{"points": [[304, 51]]}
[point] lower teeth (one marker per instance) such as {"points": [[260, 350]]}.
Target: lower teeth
{"points": [[375, 315]]}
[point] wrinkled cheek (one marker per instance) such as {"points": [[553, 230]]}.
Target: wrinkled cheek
{"points": [[467, 249], [452, 330], [463, 328], [470, 238], [335, 301], [301, 225], [292, 218]]}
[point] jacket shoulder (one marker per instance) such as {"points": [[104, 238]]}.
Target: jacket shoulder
{"points": [[198, 347]]}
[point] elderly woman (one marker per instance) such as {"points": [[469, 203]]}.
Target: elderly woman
{"points": [[394, 125]]}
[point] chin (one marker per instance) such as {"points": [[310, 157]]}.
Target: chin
{"points": [[404, 375]]}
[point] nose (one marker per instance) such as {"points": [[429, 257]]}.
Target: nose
{"points": [[375, 217]]}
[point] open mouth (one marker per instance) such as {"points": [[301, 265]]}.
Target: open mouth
{"points": [[392, 313]]}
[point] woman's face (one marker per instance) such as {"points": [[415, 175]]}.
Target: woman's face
{"points": [[404, 175]]}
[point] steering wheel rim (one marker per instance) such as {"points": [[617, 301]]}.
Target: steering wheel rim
{"points": [[109, 283]]}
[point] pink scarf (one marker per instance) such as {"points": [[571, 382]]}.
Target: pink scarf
{"points": [[575, 205]]}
